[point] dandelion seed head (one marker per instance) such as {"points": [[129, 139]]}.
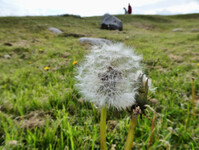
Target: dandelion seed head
{"points": [[109, 75]]}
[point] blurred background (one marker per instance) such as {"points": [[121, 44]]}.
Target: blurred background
{"points": [[95, 7]]}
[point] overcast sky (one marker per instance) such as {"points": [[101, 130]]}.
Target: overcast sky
{"points": [[95, 7]]}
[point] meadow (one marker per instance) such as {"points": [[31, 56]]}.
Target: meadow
{"points": [[41, 109]]}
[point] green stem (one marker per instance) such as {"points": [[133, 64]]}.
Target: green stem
{"points": [[131, 133], [103, 129], [193, 97], [152, 130]]}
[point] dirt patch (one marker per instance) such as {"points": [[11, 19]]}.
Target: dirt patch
{"points": [[145, 26], [196, 59], [154, 101], [195, 30], [22, 43], [21, 52], [151, 62], [176, 58], [161, 69], [7, 44], [33, 119], [112, 124], [65, 55], [6, 106], [75, 35], [190, 53]]}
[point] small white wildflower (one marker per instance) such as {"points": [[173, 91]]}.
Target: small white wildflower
{"points": [[108, 76]]}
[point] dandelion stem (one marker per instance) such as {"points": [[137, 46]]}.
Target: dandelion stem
{"points": [[131, 133], [103, 129], [193, 97], [152, 130]]}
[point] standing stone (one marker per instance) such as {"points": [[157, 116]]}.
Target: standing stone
{"points": [[111, 22]]}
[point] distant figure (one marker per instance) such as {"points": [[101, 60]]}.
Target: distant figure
{"points": [[125, 11], [129, 9]]}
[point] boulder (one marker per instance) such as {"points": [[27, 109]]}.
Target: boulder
{"points": [[94, 41], [55, 30], [111, 22]]}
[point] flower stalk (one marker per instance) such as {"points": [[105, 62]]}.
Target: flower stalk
{"points": [[103, 128], [131, 133], [137, 109], [152, 130], [193, 97]]}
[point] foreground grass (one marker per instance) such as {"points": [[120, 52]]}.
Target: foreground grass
{"points": [[41, 109]]}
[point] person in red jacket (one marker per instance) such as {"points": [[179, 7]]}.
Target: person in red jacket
{"points": [[129, 9]]}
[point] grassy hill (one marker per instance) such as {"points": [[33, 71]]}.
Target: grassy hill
{"points": [[40, 108]]}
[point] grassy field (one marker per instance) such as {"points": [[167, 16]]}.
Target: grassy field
{"points": [[41, 109]]}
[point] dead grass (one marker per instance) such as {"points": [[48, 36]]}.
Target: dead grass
{"points": [[176, 58], [33, 119]]}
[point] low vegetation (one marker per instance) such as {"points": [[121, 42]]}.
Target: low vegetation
{"points": [[41, 109]]}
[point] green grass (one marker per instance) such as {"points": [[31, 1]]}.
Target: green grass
{"points": [[40, 109]]}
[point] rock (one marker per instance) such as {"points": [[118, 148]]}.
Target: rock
{"points": [[55, 30], [6, 56], [111, 22], [177, 30], [93, 41], [194, 30]]}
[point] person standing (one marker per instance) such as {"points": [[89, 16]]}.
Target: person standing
{"points": [[129, 9]]}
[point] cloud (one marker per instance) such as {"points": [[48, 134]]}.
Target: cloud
{"points": [[169, 7], [95, 7], [180, 9]]}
